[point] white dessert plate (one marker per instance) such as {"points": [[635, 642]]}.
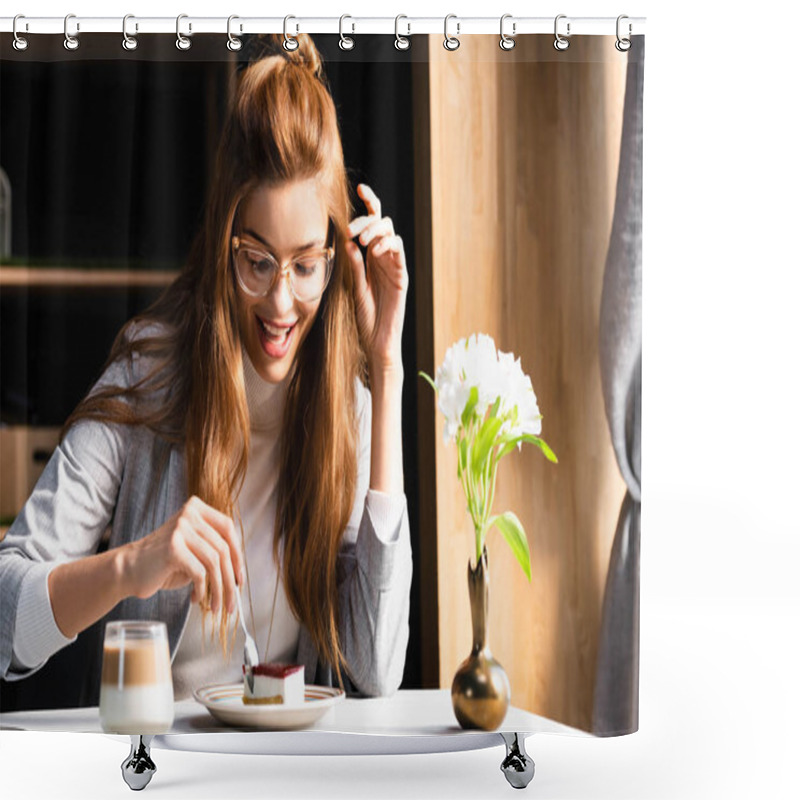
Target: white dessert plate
{"points": [[224, 702]]}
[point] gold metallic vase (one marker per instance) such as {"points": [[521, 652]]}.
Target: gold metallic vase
{"points": [[481, 691]]}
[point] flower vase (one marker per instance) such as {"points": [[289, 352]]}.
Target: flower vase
{"points": [[480, 691]]}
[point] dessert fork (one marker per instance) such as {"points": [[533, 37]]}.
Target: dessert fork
{"points": [[250, 649]]}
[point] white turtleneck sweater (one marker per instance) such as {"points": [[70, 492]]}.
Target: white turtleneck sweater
{"points": [[199, 659]]}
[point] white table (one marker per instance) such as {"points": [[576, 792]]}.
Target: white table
{"points": [[410, 722]]}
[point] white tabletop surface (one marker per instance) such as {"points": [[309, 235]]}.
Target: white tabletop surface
{"points": [[410, 721], [719, 723]]}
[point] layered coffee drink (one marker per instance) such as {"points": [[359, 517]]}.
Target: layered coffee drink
{"points": [[136, 686]]}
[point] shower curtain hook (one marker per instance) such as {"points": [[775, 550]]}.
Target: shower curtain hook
{"points": [[623, 44], [451, 42], [289, 42], [129, 42], [346, 42], [561, 43], [71, 42], [507, 42], [233, 42], [20, 42], [401, 42], [182, 42]]}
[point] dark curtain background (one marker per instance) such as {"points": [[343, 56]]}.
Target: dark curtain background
{"points": [[109, 153]]}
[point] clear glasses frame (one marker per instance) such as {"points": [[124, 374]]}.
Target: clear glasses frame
{"points": [[240, 243]]}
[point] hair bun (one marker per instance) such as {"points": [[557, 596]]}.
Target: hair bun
{"points": [[271, 44]]}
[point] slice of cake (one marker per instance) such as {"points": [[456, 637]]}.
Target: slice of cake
{"points": [[276, 684]]}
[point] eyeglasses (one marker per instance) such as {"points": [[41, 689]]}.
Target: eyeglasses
{"points": [[258, 271]]}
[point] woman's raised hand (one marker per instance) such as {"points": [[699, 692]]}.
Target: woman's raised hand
{"points": [[381, 286], [196, 545]]}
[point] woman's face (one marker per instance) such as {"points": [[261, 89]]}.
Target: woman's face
{"points": [[287, 220]]}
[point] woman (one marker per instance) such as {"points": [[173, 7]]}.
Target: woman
{"points": [[230, 441]]}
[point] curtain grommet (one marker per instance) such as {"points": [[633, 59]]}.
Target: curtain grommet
{"points": [[20, 42], [234, 43], [290, 44], [71, 42], [451, 43], [507, 42], [623, 44], [183, 42], [129, 42], [346, 42], [401, 42], [560, 42]]}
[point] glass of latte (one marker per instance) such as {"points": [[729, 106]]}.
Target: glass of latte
{"points": [[136, 688]]}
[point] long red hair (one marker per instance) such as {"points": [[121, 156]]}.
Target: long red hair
{"points": [[281, 127]]}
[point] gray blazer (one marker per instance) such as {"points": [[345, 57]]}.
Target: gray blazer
{"points": [[102, 475]]}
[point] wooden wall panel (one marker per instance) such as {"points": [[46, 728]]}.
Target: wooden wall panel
{"points": [[24, 452], [524, 149]]}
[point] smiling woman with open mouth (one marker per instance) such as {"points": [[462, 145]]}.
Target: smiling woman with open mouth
{"points": [[231, 443]]}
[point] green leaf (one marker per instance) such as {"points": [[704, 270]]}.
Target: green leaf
{"points": [[506, 448], [514, 534], [542, 445], [462, 456], [494, 408], [472, 401], [508, 442], [430, 380], [484, 442]]}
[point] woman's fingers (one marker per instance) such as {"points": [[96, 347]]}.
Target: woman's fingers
{"points": [[370, 199], [357, 227], [389, 244], [193, 568], [211, 561], [218, 531], [373, 205], [226, 568], [223, 525], [376, 228], [198, 544], [381, 285]]}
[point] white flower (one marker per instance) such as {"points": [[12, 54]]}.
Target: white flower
{"points": [[474, 367], [475, 362], [452, 390], [452, 401], [517, 392], [467, 363], [481, 370]]}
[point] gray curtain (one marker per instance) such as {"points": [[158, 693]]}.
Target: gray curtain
{"points": [[616, 695]]}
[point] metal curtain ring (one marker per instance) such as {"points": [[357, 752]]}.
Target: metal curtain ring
{"points": [[182, 42], [129, 42], [346, 42], [623, 44], [507, 42], [561, 43], [20, 43], [234, 43], [289, 42], [401, 42], [451, 42], [70, 42]]}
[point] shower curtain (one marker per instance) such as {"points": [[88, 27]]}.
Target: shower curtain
{"points": [[514, 178]]}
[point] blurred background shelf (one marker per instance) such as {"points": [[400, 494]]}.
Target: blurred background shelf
{"points": [[88, 277], [24, 453]]}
